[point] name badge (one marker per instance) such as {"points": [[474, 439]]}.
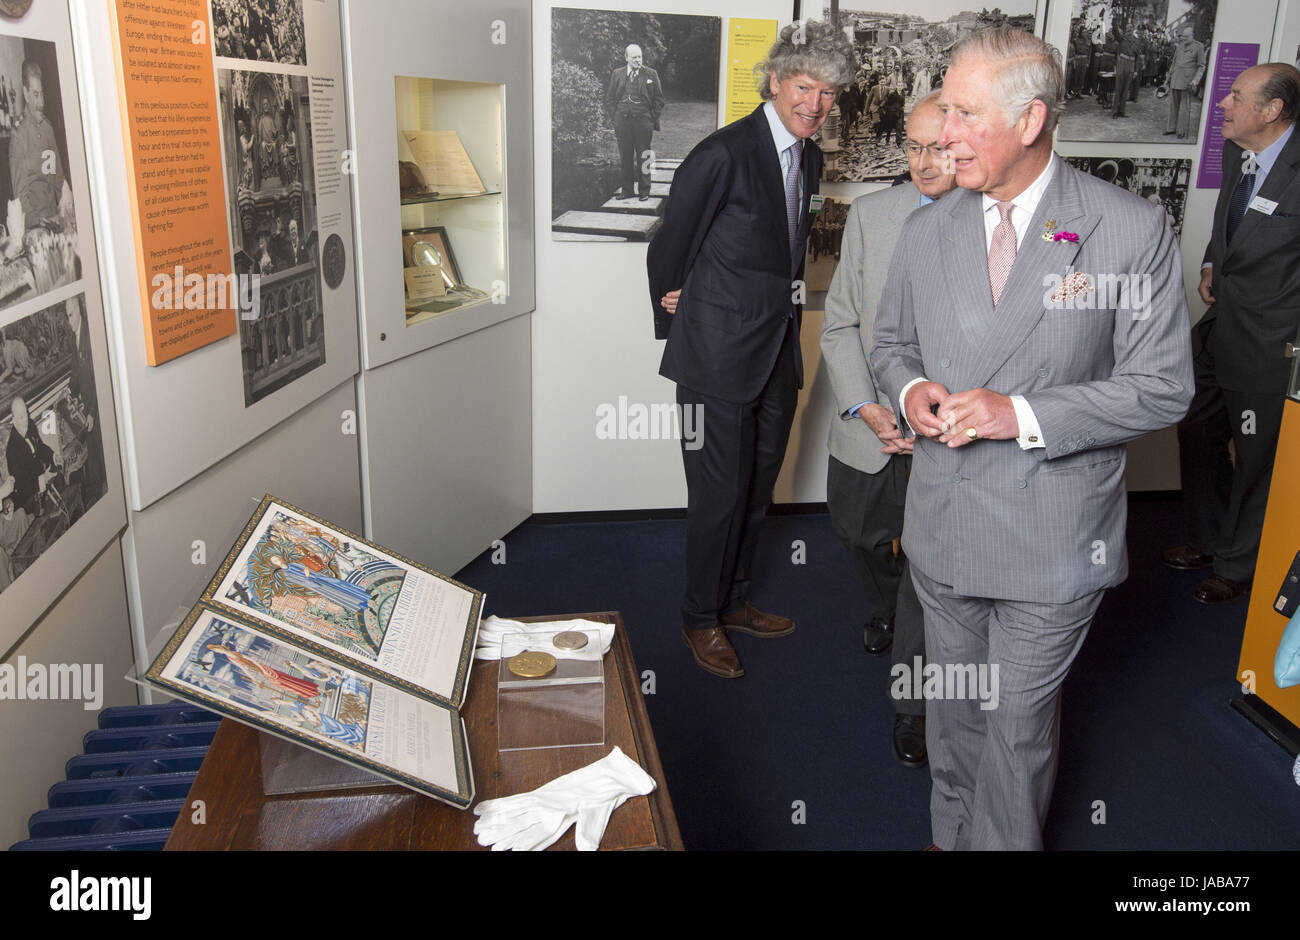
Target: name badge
{"points": [[815, 203], [1260, 204]]}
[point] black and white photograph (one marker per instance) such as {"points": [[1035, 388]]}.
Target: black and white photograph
{"points": [[266, 133], [259, 30], [38, 231], [1162, 182], [631, 94], [824, 240], [52, 466], [1136, 70], [901, 58]]}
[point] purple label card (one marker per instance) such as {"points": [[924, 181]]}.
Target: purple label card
{"points": [[1232, 59]]}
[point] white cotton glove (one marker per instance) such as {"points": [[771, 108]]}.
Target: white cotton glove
{"points": [[493, 630], [535, 820]]}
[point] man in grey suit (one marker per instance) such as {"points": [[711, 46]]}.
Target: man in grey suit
{"points": [[865, 485], [1033, 322]]}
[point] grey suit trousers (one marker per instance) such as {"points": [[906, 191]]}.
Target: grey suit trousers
{"points": [[993, 769]]}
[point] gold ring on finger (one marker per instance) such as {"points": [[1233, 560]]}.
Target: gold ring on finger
{"points": [[972, 433]]}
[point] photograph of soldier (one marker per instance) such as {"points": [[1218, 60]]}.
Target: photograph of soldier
{"points": [[631, 94], [824, 243], [901, 58], [1135, 70]]}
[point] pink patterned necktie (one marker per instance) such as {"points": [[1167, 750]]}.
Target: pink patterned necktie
{"points": [[1002, 252]]}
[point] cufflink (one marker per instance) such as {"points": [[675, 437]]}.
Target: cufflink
{"points": [[1033, 438]]}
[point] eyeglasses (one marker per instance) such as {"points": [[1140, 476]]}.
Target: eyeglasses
{"points": [[934, 150]]}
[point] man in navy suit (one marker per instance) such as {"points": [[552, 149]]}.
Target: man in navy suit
{"points": [[725, 280], [1251, 280]]}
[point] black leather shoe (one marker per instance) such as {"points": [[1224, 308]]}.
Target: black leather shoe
{"points": [[1186, 558], [909, 740], [1220, 590], [878, 636]]}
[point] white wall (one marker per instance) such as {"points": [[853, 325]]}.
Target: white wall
{"points": [[88, 624], [593, 338]]}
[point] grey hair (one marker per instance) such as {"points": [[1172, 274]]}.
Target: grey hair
{"points": [[812, 48], [1029, 70], [1283, 83]]}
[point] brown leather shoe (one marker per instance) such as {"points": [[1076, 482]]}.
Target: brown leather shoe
{"points": [[749, 619], [713, 651], [1217, 589], [1186, 558]]}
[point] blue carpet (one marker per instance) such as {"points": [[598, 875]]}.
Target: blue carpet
{"points": [[796, 754]]}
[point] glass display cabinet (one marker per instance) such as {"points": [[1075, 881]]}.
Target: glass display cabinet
{"points": [[451, 183]]}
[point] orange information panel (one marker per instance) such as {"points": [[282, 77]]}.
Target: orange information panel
{"points": [[169, 106], [1273, 596]]}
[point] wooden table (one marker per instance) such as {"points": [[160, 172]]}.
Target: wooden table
{"points": [[240, 816]]}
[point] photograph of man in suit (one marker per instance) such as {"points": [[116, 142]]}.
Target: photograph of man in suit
{"points": [[633, 104], [866, 478], [722, 272], [1184, 75], [1251, 279], [1021, 405], [31, 462]]}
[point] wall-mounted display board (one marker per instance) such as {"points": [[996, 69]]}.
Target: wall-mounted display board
{"points": [[224, 169], [60, 482], [442, 113]]}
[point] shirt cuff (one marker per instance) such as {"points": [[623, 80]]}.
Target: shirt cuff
{"points": [[902, 406], [853, 412], [1207, 264], [1031, 435]]}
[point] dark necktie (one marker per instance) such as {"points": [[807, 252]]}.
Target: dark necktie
{"points": [[1237, 205]]}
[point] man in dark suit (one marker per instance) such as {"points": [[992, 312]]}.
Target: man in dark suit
{"points": [[1251, 279], [82, 386], [725, 270], [30, 460], [633, 104]]}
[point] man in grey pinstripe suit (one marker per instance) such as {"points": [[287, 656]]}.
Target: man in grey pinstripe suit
{"points": [[1033, 322]]}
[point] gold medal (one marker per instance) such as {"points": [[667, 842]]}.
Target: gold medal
{"points": [[532, 664]]}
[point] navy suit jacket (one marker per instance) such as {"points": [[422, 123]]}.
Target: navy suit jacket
{"points": [[725, 243], [1256, 280]]}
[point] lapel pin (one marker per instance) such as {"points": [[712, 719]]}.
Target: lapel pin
{"points": [[1049, 226]]}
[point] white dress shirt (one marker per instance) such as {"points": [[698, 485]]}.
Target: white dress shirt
{"points": [[783, 140], [1023, 208]]}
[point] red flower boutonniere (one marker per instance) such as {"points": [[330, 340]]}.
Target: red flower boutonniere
{"points": [[1066, 237]]}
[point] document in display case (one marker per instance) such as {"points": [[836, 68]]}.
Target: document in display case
{"points": [[451, 172], [314, 634]]}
